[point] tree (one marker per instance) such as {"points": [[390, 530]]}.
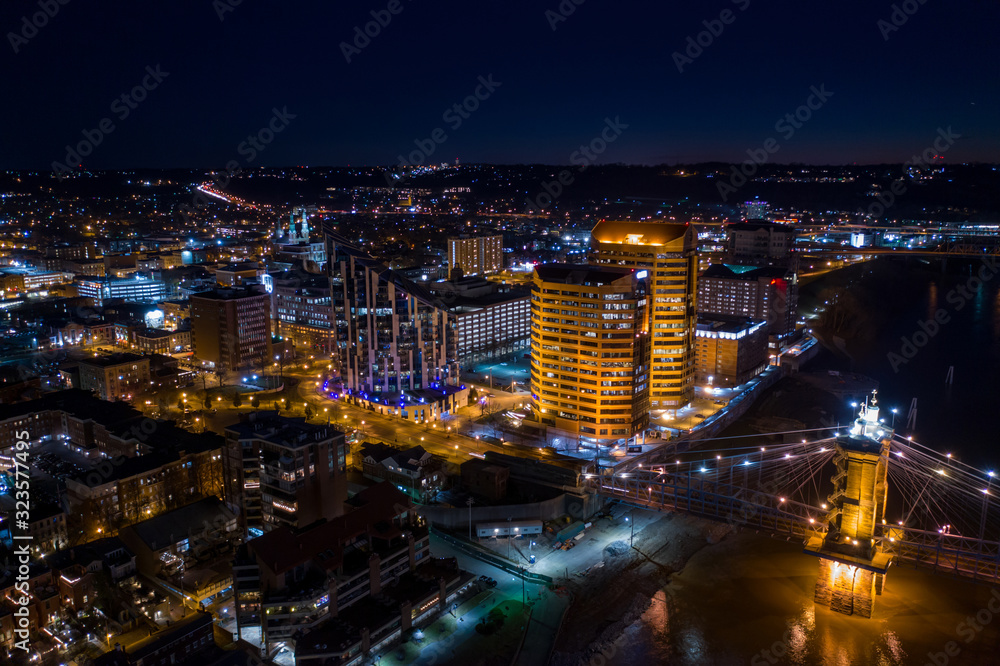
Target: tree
{"points": [[254, 401], [237, 400], [309, 411], [207, 402]]}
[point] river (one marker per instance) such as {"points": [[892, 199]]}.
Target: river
{"points": [[748, 599]]}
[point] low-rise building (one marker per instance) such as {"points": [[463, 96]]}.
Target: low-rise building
{"points": [[116, 376], [730, 351], [180, 642], [160, 341], [485, 479], [134, 289], [415, 471]]}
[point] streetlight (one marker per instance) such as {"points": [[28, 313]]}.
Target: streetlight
{"points": [[894, 411]]}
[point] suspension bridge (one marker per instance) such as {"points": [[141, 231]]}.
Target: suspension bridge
{"points": [[861, 496]]}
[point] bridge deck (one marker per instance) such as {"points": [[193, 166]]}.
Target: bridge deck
{"points": [[785, 518]]}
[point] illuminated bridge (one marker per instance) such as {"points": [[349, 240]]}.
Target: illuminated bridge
{"points": [[859, 500], [964, 248]]}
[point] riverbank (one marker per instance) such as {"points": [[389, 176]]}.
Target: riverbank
{"points": [[615, 594]]}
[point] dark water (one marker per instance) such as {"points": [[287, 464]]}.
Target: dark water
{"points": [[748, 600], [910, 352]]}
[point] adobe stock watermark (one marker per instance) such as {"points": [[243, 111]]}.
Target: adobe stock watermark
{"points": [[22, 538], [249, 148], [30, 25], [454, 116], [778, 650], [898, 17], [968, 629], [583, 157], [223, 7], [561, 13], [958, 297], [787, 126], [942, 143], [363, 36], [714, 28], [122, 107]]}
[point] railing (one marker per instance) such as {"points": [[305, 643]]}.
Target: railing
{"points": [[783, 517], [479, 553]]}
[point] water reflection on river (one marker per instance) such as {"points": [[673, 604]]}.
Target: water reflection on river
{"points": [[748, 600]]}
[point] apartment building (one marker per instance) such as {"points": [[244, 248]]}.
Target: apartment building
{"points": [[116, 376], [283, 472], [289, 582], [475, 255]]}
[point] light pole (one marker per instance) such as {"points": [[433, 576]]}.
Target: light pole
{"points": [[469, 502], [894, 412]]}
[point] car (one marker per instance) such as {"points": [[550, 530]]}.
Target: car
{"points": [[699, 416]]}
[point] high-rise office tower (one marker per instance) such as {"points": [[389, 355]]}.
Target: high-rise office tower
{"points": [[476, 255], [589, 351], [669, 253], [231, 328]]}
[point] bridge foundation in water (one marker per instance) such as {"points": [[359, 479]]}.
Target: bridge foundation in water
{"points": [[852, 566]]}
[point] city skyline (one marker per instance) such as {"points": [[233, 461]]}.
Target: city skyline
{"points": [[527, 333]]}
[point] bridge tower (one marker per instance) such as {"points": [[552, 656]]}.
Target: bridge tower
{"points": [[852, 566]]}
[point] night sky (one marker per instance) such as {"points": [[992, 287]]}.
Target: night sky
{"points": [[605, 60]]}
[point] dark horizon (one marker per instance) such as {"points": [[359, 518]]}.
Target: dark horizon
{"points": [[390, 167], [525, 83]]}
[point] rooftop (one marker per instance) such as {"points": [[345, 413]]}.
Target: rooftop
{"points": [[739, 272], [727, 324], [587, 275], [167, 529], [638, 233], [286, 431], [373, 509], [111, 360]]}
